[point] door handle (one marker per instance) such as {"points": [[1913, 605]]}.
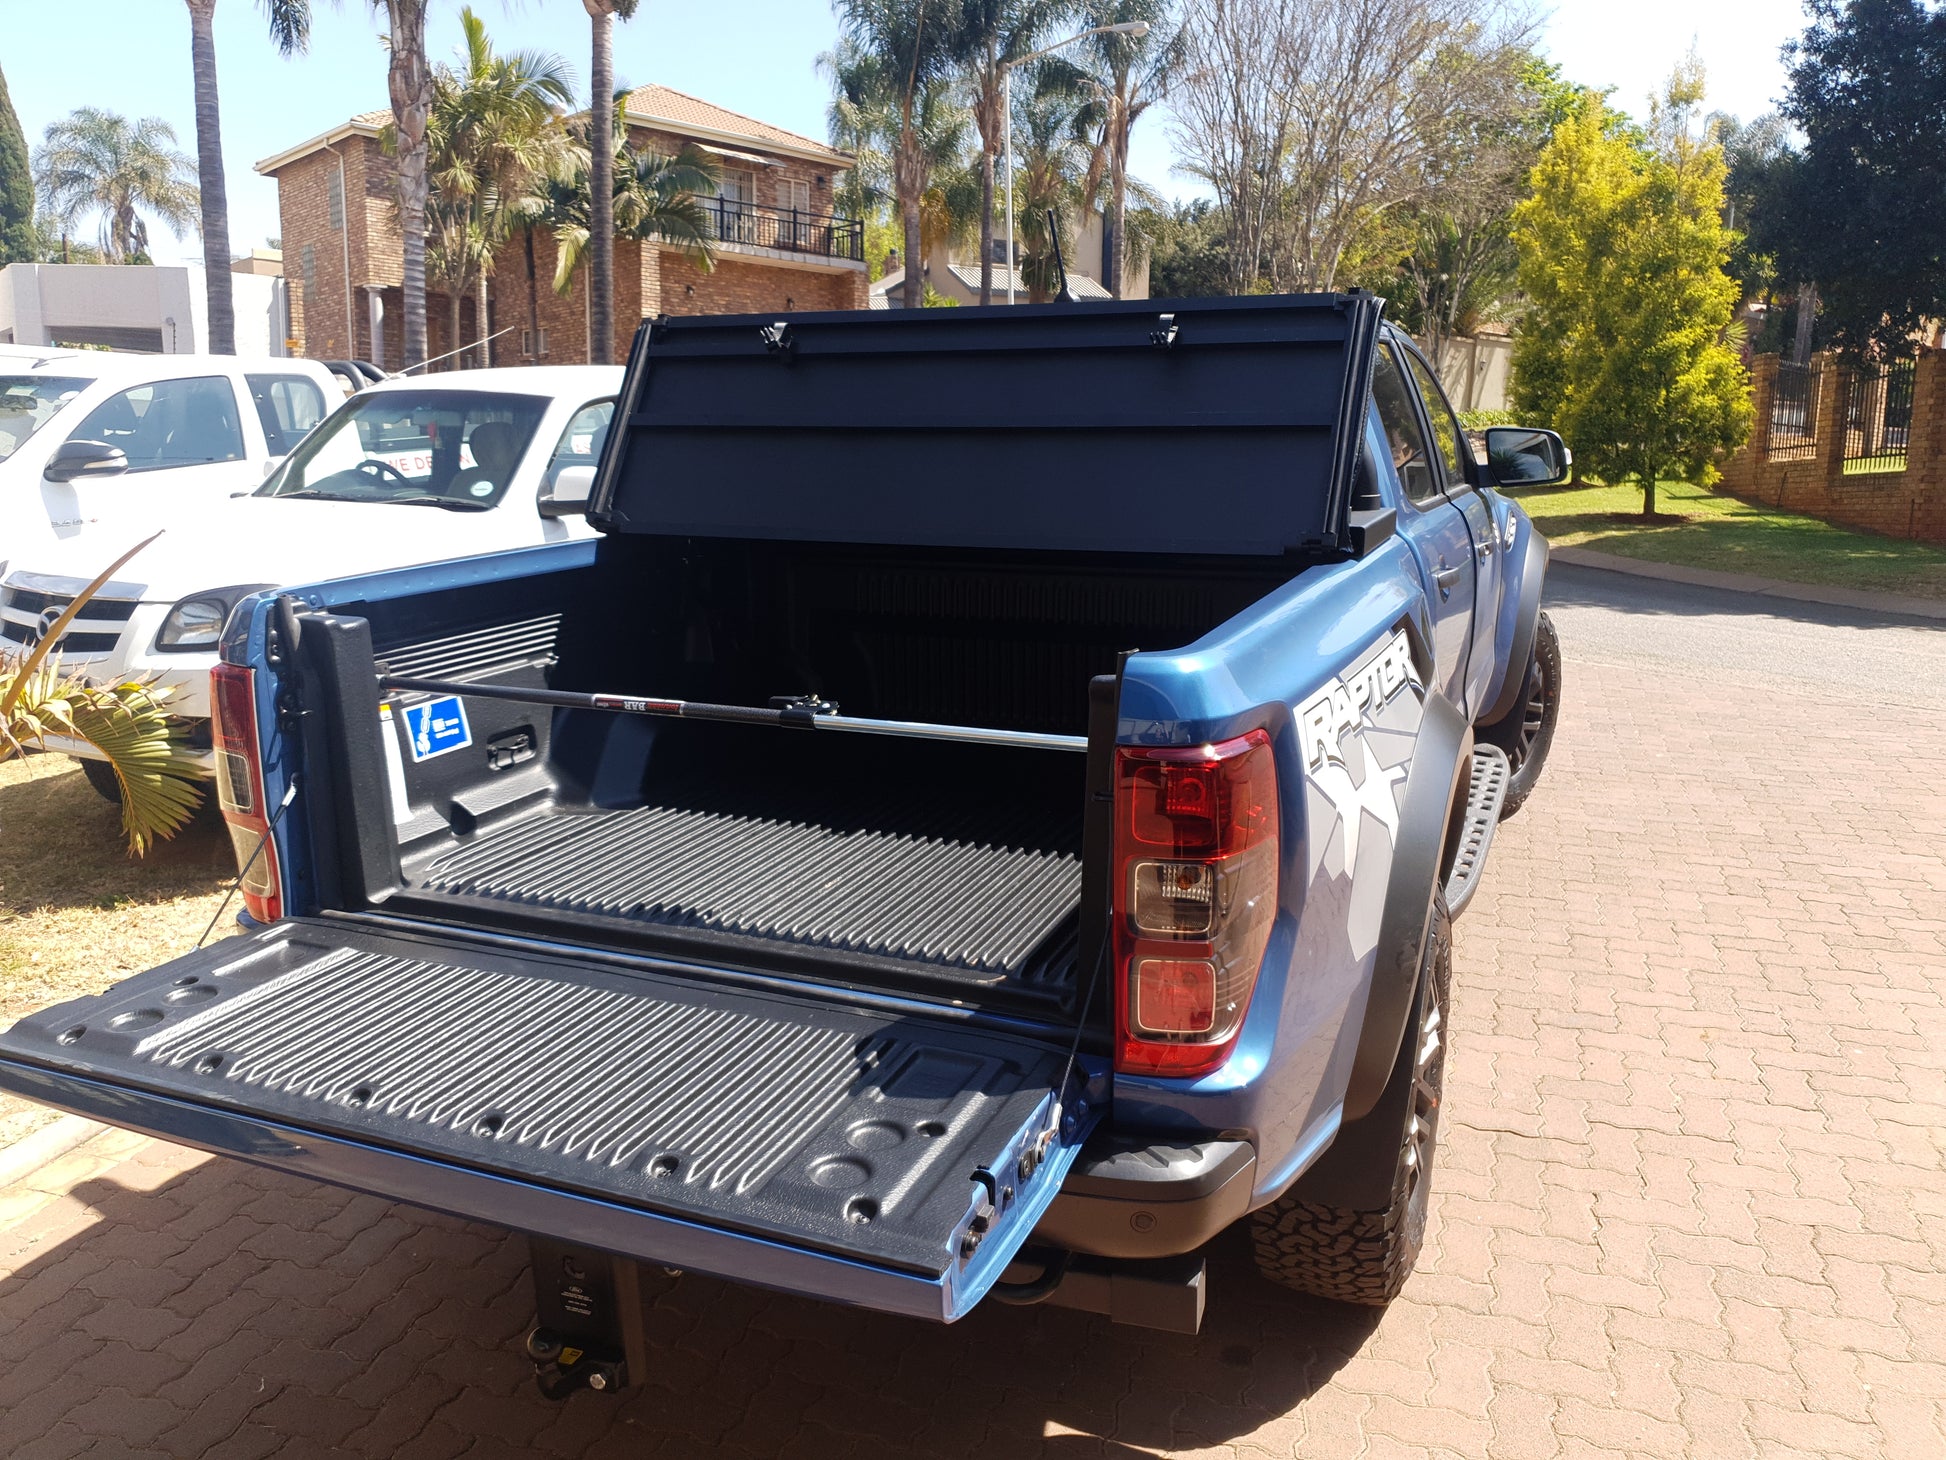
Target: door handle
{"points": [[1446, 577]]}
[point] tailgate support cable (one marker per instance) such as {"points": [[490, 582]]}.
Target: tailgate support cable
{"points": [[290, 795], [797, 714]]}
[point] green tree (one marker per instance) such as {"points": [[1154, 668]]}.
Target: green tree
{"points": [[994, 35], [653, 196], [1128, 75], [1858, 212], [493, 139], [18, 238], [290, 29], [895, 64], [1188, 255], [1459, 264], [1055, 146], [1622, 250], [95, 163]]}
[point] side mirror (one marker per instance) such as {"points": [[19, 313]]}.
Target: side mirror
{"points": [[566, 495], [76, 460], [1525, 456]]}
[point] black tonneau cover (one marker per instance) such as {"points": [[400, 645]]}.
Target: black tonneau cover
{"points": [[1216, 426]]}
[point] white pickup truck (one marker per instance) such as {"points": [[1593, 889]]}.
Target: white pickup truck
{"points": [[93, 442], [413, 470]]}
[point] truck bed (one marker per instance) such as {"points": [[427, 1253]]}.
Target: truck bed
{"points": [[880, 854]]}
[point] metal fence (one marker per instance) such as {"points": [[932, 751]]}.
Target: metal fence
{"points": [[787, 229], [1878, 417], [1794, 413]]}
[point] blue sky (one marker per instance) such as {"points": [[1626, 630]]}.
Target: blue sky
{"points": [[755, 56]]}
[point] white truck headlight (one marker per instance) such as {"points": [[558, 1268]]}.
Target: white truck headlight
{"points": [[195, 625]]}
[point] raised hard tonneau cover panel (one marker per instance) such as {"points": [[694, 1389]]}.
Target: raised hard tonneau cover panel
{"points": [[1181, 426]]}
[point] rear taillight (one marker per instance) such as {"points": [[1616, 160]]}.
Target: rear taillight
{"points": [[240, 788], [1195, 895]]}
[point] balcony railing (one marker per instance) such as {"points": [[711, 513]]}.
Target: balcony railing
{"points": [[787, 229]]}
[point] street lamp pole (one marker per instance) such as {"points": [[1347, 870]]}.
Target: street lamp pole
{"points": [[1137, 28]]}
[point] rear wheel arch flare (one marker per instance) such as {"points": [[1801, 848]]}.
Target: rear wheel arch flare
{"points": [[1435, 794]]}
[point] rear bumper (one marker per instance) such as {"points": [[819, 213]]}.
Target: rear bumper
{"points": [[1135, 1198]]}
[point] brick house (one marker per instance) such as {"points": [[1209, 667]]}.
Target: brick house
{"points": [[778, 243]]}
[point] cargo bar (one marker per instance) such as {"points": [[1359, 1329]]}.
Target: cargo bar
{"points": [[797, 716]]}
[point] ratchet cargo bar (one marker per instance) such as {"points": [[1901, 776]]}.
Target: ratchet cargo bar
{"points": [[799, 713]]}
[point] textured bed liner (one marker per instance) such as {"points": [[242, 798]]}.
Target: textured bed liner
{"points": [[809, 1122], [987, 894]]}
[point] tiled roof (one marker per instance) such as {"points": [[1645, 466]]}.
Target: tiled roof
{"points": [[662, 103], [365, 124], [969, 275], [677, 110]]}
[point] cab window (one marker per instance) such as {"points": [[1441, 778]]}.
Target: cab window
{"points": [[288, 406], [1418, 472], [435, 447], [1445, 426], [169, 423], [580, 444], [29, 402]]}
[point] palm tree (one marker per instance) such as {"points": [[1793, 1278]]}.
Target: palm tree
{"points": [[95, 162], [409, 82], [902, 136], [896, 59], [994, 35], [494, 136], [1130, 74], [128, 723], [1051, 139], [290, 28], [602, 114], [652, 197]]}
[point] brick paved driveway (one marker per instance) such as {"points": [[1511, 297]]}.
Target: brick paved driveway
{"points": [[1691, 1200]]}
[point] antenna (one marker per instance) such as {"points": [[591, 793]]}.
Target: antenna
{"points": [[1068, 296]]}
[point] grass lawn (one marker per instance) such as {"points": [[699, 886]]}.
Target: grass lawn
{"points": [[1699, 529], [77, 913]]}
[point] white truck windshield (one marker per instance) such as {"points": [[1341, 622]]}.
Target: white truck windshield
{"points": [[29, 402], [438, 448]]}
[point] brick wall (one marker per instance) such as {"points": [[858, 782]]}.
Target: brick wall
{"points": [[738, 286], [369, 241], [772, 178], [1909, 503], [649, 279], [563, 317]]}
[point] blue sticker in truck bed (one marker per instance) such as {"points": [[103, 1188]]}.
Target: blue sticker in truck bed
{"points": [[437, 727]]}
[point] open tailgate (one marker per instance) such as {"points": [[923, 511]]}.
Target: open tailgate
{"points": [[863, 1154]]}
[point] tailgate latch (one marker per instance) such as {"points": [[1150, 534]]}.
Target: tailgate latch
{"points": [[987, 1207]]}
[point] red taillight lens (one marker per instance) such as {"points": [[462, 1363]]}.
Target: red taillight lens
{"points": [[1195, 895], [1174, 998], [240, 787]]}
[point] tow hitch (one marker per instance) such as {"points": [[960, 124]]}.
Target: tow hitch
{"points": [[588, 1332]]}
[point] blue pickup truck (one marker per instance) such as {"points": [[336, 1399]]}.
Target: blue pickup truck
{"points": [[983, 818]]}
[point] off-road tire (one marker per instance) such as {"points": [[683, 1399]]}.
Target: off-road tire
{"points": [[1364, 1257], [101, 775], [1527, 730]]}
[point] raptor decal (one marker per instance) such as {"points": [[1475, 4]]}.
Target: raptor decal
{"points": [[1356, 734]]}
